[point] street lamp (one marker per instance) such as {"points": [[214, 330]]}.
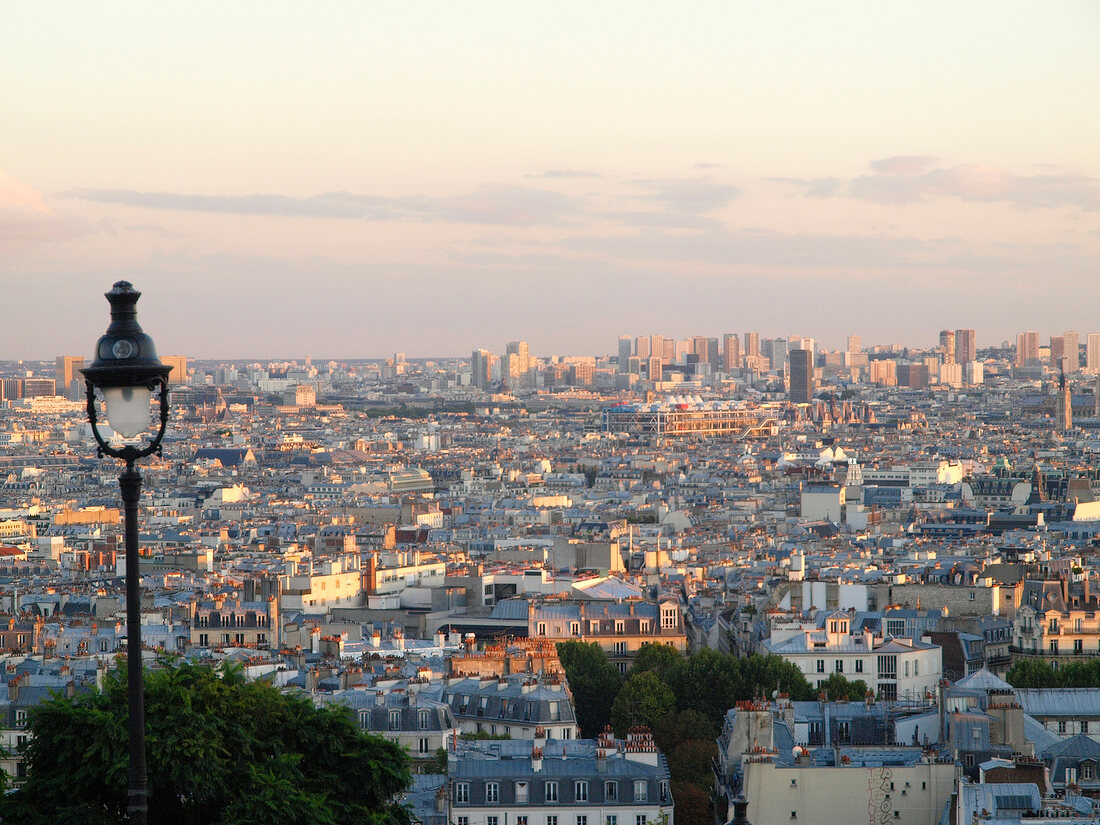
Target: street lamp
{"points": [[126, 371]]}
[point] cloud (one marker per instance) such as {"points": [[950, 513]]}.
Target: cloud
{"points": [[566, 173], [814, 187], [692, 195], [908, 179], [25, 217], [902, 164], [489, 204]]}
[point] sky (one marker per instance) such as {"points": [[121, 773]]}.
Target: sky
{"points": [[351, 179]]}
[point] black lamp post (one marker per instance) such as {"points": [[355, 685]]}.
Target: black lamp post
{"points": [[126, 371]]}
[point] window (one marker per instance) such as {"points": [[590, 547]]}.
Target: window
{"points": [[640, 819], [463, 820], [970, 760], [204, 640], [645, 627], [1078, 646], [838, 665], [582, 820], [20, 717], [238, 638], [1084, 726], [521, 793], [611, 819], [423, 718], [395, 720], [1071, 776], [552, 820], [1088, 771], [580, 791], [462, 792], [551, 792], [971, 595], [364, 719], [620, 648], [820, 665], [1054, 646], [641, 790], [542, 629], [575, 628], [668, 618], [664, 790], [906, 669], [610, 791], [888, 667], [492, 792], [521, 820], [492, 820], [423, 744], [916, 667], [1061, 727], [859, 666]]}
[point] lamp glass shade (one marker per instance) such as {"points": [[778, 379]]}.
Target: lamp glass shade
{"points": [[127, 409]]}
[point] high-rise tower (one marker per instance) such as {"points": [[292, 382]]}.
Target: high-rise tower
{"points": [[802, 376]]}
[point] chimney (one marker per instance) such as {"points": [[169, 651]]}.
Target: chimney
{"points": [[536, 759], [13, 688], [740, 811]]}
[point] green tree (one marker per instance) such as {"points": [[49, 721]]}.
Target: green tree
{"points": [[665, 661], [692, 761], [595, 683], [219, 749], [1032, 673], [837, 687], [692, 804], [671, 730], [643, 700]]}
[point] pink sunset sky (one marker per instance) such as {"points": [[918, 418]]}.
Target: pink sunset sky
{"points": [[352, 179]]}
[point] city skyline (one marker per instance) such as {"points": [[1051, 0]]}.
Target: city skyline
{"points": [[353, 181]]}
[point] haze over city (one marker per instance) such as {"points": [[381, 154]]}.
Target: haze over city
{"points": [[356, 179]]}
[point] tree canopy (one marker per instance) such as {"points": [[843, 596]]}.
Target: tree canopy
{"points": [[1035, 673], [220, 749], [595, 683], [643, 700]]}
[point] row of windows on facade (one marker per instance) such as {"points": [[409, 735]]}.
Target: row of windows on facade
{"points": [[506, 708], [668, 621], [234, 620], [887, 667], [550, 789], [231, 638], [423, 720], [581, 819]]}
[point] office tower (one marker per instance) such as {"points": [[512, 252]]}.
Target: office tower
{"points": [[641, 347], [516, 365], [885, 373], [801, 342], [951, 374], [1027, 349], [68, 372], [12, 388], [35, 387], [854, 344], [779, 349], [481, 369], [731, 352], [802, 376], [699, 346], [178, 373], [657, 346], [625, 348], [947, 345], [668, 350], [1058, 353], [966, 346], [653, 371], [752, 344], [974, 373], [1092, 353], [714, 355], [1065, 405], [1073, 349], [914, 376]]}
